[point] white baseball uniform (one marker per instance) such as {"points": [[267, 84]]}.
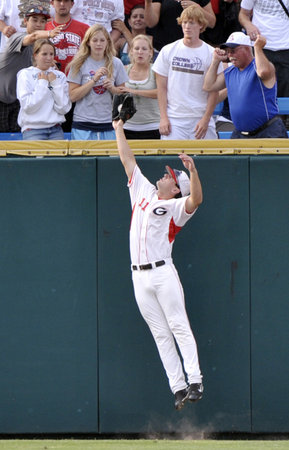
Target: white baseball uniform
{"points": [[158, 291]]}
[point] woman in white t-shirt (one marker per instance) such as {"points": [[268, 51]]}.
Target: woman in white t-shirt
{"points": [[43, 94]]}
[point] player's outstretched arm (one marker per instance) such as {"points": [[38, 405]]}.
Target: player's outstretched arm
{"points": [[125, 153], [196, 196]]}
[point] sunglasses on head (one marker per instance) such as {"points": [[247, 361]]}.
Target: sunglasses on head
{"points": [[38, 10]]}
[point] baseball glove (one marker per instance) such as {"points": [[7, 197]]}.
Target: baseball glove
{"points": [[123, 107]]}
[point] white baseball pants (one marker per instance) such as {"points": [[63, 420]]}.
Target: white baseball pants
{"points": [[160, 298]]}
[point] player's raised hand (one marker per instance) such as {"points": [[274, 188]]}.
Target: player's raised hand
{"points": [[117, 124], [187, 161]]}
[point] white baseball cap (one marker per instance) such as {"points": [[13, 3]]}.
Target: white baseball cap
{"points": [[237, 38], [181, 179]]}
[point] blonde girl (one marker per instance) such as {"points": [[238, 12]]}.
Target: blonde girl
{"points": [[142, 84], [95, 74], [43, 94]]}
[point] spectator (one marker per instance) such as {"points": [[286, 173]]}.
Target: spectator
{"points": [[95, 75], [99, 12], [43, 94], [251, 85], [17, 55], [10, 22], [163, 14], [142, 84], [185, 108], [128, 7], [226, 12], [68, 41], [137, 25], [270, 19]]}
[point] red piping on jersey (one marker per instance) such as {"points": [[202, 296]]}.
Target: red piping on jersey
{"points": [[173, 230], [132, 175], [129, 183]]}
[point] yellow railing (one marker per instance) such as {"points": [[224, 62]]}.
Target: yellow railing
{"points": [[146, 147]]}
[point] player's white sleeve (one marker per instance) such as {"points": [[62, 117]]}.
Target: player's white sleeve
{"points": [[139, 185], [180, 215]]}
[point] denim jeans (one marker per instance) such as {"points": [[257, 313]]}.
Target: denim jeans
{"points": [[85, 135], [52, 133]]}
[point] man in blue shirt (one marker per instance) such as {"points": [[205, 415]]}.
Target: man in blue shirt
{"points": [[251, 85]]}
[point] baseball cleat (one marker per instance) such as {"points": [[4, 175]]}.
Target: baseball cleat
{"points": [[180, 398], [195, 392]]}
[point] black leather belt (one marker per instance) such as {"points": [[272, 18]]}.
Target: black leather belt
{"points": [[263, 127], [149, 266]]}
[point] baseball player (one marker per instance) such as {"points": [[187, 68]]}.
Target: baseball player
{"points": [[158, 214]]}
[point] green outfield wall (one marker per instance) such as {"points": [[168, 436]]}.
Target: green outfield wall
{"points": [[76, 357]]}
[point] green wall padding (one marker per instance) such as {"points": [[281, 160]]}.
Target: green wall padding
{"points": [[77, 357], [48, 335]]}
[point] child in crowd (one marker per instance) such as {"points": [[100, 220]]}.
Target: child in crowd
{"points": [[95, 74], [142, 84], [43, 94]]}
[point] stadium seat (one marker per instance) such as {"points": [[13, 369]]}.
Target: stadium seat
{"points": [[10, 137], [218, 109], [283, 104], [18, 136]]}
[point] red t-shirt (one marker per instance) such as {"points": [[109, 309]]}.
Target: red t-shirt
{"points": [[68, 41], [129, 4], [216, 5]]}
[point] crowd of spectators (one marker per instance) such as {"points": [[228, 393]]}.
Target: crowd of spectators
{"points": [[160, 51]]}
